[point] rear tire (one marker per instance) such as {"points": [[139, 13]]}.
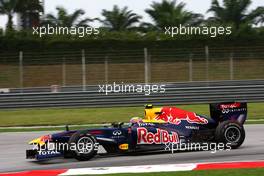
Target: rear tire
{"points": [[83, 146], [230, 132]]}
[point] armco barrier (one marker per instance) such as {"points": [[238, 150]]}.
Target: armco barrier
{"points": [[176, 93]]}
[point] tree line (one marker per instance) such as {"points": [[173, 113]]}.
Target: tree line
{"points": [[233, 13]]}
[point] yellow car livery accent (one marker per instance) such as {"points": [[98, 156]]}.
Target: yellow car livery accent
{"points": [[123, 147], [37, 141], [151, 114], [41, 141]]}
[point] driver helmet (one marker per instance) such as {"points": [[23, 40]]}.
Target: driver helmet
{"points": [[136, 120]]}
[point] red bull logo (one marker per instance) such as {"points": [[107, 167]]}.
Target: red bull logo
{"points": [[45, 138], [161, 137], [230, 106], [175, 116]]}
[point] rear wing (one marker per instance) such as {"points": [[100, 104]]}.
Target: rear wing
{"points": [[235, 111]]}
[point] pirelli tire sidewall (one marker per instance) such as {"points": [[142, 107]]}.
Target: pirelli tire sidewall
{"points": [[222, 130], [75, 138]]}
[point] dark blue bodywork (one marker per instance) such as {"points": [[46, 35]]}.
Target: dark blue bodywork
{"points": [[114, 136]]}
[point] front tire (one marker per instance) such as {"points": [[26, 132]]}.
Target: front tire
{"points": [[83, 146], [230, 132]]}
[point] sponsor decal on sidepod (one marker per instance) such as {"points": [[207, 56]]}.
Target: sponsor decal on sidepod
{"points": [[160, 137]]}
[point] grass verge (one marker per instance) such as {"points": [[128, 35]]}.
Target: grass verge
{"points": [[48, 128], [79, 116]]}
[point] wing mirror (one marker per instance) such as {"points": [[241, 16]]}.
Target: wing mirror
{"points": [[117, 125], [67, 128]]}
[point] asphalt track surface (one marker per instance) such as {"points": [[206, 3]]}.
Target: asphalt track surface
{"points": [[13, 146]]}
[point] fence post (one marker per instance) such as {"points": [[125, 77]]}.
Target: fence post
{"points": [[190, 68], [149, 68], [231, 67], [106, 69], [146, 66], [83, 71], [207, 62], [63, 72], [21, 70]]}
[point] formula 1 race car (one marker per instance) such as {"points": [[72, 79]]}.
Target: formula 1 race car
{"points": [[159, 127]]}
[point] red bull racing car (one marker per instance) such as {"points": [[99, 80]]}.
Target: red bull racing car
{"points": [[159, 127]]}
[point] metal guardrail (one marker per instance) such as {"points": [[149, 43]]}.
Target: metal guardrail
{"points": [[176, 93]]}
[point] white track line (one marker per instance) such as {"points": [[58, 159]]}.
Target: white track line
{"points": [[130, 169]]}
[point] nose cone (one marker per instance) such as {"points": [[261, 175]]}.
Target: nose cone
{"points": [[36, 141]]}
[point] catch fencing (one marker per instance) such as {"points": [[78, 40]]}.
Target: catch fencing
{"points": [[147, 65]]}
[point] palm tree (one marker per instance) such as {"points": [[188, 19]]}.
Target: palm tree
{"points": [[29, 10], [119, 19], [63, 18], [8, 7], [169, 13], [235, 12], [24, 7]]}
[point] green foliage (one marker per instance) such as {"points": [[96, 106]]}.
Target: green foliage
{"points": [[119, 19], [120, 27], [63, 18], [107, 40], [235, 12], [8, 8], [24, 7], [28, 9], [168, 13]]}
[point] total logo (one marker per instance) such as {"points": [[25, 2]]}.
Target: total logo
{"points": [[160, 137], [48, 152]]}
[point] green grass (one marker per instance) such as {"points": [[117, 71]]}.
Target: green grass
{"points": [[226, 172], [31, 117], [78, 116]]}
